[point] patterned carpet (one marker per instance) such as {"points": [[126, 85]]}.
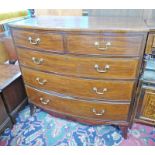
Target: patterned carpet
{"points": [[44, 129]]}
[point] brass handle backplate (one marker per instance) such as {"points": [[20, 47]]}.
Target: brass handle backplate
{"points": [[44, 101], [41, 82], [37, 61], [34, 42], [98, 113], [104, 70], [99, 92], [107, 45]]}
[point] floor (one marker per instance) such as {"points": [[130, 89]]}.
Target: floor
{"points": [[42, 129]]}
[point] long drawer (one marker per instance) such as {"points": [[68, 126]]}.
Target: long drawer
{"points": [[118, 44], [93, 67], [79, 87], [40, 40], [79, 108]]}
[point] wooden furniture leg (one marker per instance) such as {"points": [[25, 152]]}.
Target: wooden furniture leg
{"points": [[32, 109], [124, 131]]}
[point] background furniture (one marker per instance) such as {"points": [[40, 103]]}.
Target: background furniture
{"points": [[5, 120], [7, 15], [150, 46], [126, 13], [145, 111], [82, 68], [12, 89], [58, 12], [3, 53], [7, 50]]}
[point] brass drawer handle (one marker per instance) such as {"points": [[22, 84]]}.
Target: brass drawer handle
{"points": [[97, 45], [104, 70], [98, 114], [37, 61], [41, 82], [44, 101], [99, 93], [35, 42]]}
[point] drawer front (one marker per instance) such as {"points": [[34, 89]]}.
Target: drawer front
{"points": [[148, 106], [103, 68], [39, 40], [78, 87], [107, 44], [81, 108]]}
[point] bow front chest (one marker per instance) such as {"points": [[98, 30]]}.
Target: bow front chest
{"points": [[81, 68]]}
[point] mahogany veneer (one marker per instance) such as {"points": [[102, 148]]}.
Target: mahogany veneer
{"points": [[120, 68], [85, 88], [82, 68]]}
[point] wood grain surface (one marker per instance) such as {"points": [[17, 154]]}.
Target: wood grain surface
{"points": [[121, 44], [79, 107], [48, 41], [79, 87], [120, 68], [82, 24], [8, 73]]}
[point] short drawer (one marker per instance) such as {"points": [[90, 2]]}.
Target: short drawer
{"points": [[118, 44], [93, 67], [79, 108], [39, 40], [80, 87]]}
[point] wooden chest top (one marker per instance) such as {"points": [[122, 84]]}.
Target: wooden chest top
{"points": [[83, 23]]}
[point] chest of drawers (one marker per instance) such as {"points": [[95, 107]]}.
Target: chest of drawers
{"points": [[81, 71]]}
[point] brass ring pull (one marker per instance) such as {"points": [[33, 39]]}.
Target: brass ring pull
{"points": [[41, 82], [37, 61], [44, 101], [99, 93], [35, 42], [98, 114], [97, 45], [104, 70]]}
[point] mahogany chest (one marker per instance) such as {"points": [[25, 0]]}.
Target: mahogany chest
{"points": [[82, 68]]}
